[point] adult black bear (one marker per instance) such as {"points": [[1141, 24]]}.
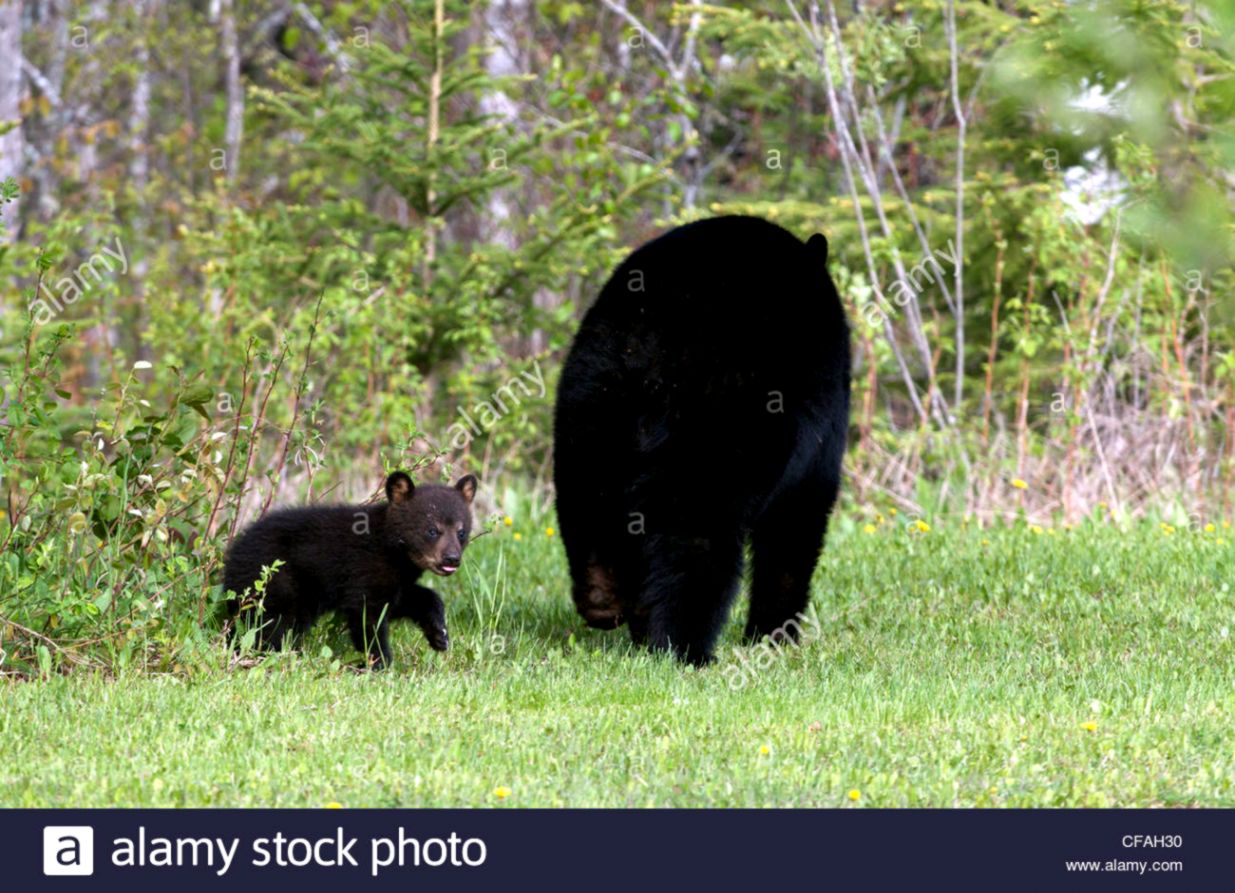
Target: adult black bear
{"points": [[705, 400], [362, 560]]}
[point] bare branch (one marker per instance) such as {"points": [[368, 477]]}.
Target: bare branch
{"points": [[815, 39], [324, 34], [40, 80], [653, 41], [866, 167]]}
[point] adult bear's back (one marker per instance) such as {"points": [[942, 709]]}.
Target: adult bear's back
{"points": [[733, 283], [717, 347]]}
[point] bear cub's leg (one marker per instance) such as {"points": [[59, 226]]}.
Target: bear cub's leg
{"points": [[424, 607], [369, 624]]}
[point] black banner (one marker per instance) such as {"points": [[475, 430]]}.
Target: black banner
{"points": [[599, 850]]}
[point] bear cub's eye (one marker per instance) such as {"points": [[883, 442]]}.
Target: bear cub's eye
{"points": [[434, 533], [462, 536]]}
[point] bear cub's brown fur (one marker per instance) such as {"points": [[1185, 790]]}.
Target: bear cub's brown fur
{"points": [[361, 560]]}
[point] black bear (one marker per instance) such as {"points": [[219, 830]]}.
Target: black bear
{"points": [[705, 401], [362, 560]]}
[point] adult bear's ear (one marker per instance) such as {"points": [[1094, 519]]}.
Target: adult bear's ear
{"points": [[399, 487], [818, 246], [466, 486]]}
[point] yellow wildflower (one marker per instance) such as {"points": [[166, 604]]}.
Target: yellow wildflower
{"points": [[855, 795], [501, 792], [1019, 484], [508, 520]]}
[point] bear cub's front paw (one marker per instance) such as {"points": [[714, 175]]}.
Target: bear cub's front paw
{"points": [[439, 639]]}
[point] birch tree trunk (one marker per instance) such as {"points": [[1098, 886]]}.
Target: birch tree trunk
{"points": [[235, 90], [501, 41], [139, 107], [12, 144], [502, 19], [146, 12]]}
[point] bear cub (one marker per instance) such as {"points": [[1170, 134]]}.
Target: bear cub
{"points": [[361, 560], [703, 406]]}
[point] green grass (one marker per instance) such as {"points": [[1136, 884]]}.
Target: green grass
{"points": [[1090, 667]]}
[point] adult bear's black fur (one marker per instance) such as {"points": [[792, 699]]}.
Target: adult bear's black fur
{"points": [[705, 400], [362, 560]]}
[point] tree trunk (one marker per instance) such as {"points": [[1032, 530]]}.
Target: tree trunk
{"points": [[55, 17], [12, 144], [235, 90], [139, 106], [502, 20], [146, 12], [85, 113], [501, 41]]}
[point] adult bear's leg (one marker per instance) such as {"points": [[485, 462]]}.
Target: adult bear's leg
{"points": [[786, 542], [688, 589]]}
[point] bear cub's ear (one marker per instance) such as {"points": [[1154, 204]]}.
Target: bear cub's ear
{"points": [[399, 487], [466, 486]]}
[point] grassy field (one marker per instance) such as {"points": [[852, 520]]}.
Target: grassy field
{"points": [[950, 667]]}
